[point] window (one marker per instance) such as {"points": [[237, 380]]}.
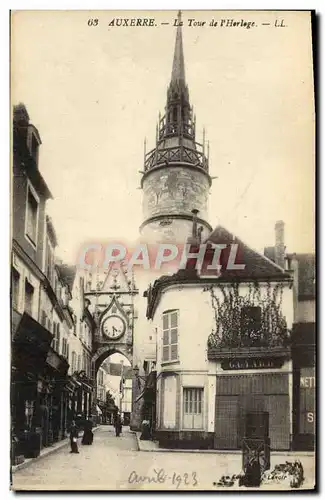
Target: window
{"points": [[251, 319], [58, 338], [15, 288], [73, 362], [170, 336], [64, 343], [31, 216], [49, 261], [79, 363], [193, 408], [43, 318], [29, 296], [65, 348]]}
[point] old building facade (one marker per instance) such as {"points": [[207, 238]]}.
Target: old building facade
{"points": [[38, 367], [51, 351]]}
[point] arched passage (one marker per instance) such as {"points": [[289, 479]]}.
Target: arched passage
{"points": [[99, 357], [104, 352]]}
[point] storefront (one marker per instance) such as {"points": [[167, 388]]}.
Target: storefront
{"points": [[253, 396], [54, 398], [304, 386], [30, 346]]}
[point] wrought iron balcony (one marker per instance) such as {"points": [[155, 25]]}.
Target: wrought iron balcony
{"points": [[269, 344], [179, 154]]}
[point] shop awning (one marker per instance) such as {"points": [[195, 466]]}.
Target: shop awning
{"points": [[99, 411], [31, 333]]}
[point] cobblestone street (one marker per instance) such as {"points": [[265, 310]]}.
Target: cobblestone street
{"points": [[115, 463]]}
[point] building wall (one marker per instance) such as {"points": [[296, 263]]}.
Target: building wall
{"points": [[19, 193], [306, 311], [192, 370]]}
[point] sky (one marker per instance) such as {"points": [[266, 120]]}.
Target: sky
{"points": [[94, 93]]}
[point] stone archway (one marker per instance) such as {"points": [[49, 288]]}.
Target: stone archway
{"points": [[102, 353]]}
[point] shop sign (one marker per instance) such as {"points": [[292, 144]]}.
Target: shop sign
{"points": [[251, 363], [307, 378]]}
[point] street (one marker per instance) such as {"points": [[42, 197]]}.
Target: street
{"points": [[113, 463]]}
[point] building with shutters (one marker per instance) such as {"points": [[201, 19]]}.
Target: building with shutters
{"points": [[40, 319], [51, 341]]}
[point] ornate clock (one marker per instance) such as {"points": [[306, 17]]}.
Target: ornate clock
{"points": [[113, 327]]}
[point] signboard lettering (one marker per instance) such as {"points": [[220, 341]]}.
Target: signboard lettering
{"points": [[251, 363]]}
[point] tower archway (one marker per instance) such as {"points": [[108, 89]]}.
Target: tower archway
{"points": [[101, 354]]}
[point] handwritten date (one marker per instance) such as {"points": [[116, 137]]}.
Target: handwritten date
{"points": [[160, 477]]}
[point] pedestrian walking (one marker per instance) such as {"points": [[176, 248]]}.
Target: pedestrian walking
{"points": [[118, 425], [74, 434], [88, 436]]}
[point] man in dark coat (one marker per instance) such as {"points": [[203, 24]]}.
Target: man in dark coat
{"points": [[118, 425], [74, 434]]}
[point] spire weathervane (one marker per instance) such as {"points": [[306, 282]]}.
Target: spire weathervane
{"points": [[178, 71]]}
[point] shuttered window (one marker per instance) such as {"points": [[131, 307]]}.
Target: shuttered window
{"points": [[31, 216], [193, 408], [73, 362], [170, 336], [15, 288]]}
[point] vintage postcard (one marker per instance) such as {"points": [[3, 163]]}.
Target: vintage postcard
{"points": [[162, 250]]}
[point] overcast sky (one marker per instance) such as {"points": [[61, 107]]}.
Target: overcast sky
{"points": [[94, 93]]}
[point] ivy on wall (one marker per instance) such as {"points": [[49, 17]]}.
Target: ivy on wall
{"points": [[233, 329]]}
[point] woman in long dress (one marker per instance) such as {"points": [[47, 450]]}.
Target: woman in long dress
{"points": [[88, 436], [74, 434]]}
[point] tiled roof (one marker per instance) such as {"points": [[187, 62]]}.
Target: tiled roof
{"points": [[257, 266]]}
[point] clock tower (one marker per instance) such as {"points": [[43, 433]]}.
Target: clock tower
{"points": [[175, 178]]}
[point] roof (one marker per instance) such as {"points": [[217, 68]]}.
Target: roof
{"points": [[67, 274], [257, 266], [269, 253], [23, 160], [20, 114], [51, 231]]}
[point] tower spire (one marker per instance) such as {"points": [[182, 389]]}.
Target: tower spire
{"points": [[178, 71]]}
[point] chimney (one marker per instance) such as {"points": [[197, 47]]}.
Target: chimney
{"points": [[279, 244]]}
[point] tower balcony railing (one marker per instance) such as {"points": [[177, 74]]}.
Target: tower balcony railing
{"points": [[181, 154]]}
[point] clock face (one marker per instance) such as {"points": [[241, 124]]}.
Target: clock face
{"points": [[113, 327]]}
